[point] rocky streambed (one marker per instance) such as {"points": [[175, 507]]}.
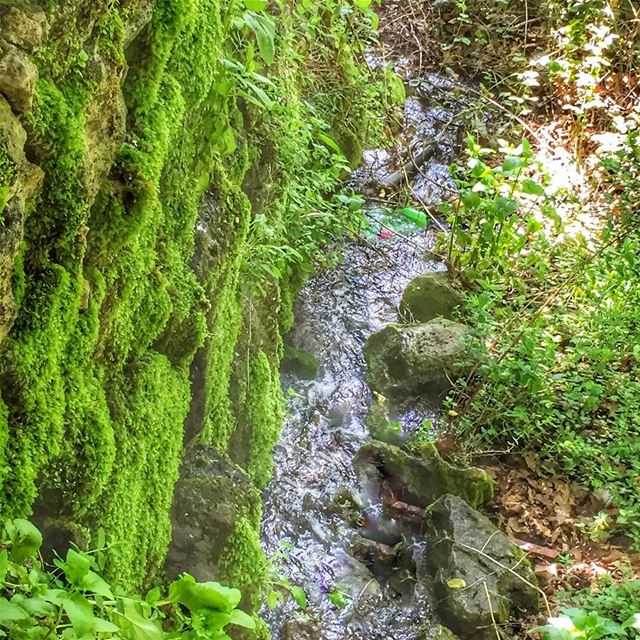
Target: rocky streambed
{"points": [[362, 513]]}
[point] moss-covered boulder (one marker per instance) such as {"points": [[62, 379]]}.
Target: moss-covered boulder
{"points": [[19, 181], [300, 362], [211, 500], [428, 296], [402, 360], [421, 476], [478, 574]]}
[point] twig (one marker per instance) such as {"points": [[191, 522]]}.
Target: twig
{"points": [[493, 618], [506, 568]]}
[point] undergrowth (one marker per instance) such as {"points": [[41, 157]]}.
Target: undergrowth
{"points": [[549, 252], [71, 600]]}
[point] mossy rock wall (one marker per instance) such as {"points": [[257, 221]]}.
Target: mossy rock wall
{"points": [[156, 177]]}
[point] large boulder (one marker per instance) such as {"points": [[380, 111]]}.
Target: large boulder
{"points": [[479, 576], [402, 360], [210, 498], [421, 476], [429, 296]]}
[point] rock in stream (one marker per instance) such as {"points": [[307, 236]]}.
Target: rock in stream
{"points": [[406, 359]]}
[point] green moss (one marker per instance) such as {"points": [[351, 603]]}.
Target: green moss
{"points": [[243, 562], [7, 174], [196, 242], [258, 408]]}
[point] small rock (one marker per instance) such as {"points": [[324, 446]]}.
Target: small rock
{"points": [[380, 425], [402, 360], [18, 76], [429, 296], [23, 27], [469, 558], [300, 362], [303, 629], [421, 477], [439, 633], [379, 558]]}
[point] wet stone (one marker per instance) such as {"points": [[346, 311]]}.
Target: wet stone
{"points": [[299, 362], [303, 629], [465, 547], [429, 296], [421, 476], [404, 360]]}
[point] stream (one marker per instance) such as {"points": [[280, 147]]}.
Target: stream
{"points": [[325, 525]]}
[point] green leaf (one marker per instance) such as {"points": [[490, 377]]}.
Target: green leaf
{"points": [[76, 566], [330, 142], [264, 29], [554, 66], [363, 4], [471, 200], [337, 598], [26, 540], [35, 606], [532, 188], [93, 582], [456, 583], [11, 612], [256, 5], [203, 595], [273, 597], [4, 564], [242, 619], [134, 624], [299, 596], [80, 613], [153, 596], [512, 165], [504, 207]]}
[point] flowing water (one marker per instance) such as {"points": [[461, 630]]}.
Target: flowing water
{"points": [[320, 512]]}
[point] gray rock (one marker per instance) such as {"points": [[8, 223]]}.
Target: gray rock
{"points": [[429, 296], [302, 629], [420, 477], [407, 359], [465, 546], [24, 27], [18, 76], [300, 362], [19, 182], [209, 498]]}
